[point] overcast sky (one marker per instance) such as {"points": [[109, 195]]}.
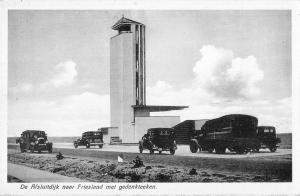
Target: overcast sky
{"points": [[216, 62]]}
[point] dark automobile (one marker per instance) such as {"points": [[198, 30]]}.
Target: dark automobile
{"points": [[267, 137], [34, 140], [158, 139], [90, 138], [235, 132]]}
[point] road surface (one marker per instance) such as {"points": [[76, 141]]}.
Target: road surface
{"points": [[183, 150]]}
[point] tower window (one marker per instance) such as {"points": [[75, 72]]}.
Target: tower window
{"points": [[125, 28]]}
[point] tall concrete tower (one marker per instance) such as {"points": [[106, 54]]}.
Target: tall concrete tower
{"points": [[127, 74], [128, 84]]}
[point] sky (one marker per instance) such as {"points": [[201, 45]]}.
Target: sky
{"points": [[216, 62]]}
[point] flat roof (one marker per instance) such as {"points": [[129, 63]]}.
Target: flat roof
{"points": [[158, 108]]}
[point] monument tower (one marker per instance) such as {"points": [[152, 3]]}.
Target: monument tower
{"points": [[129, 113]]}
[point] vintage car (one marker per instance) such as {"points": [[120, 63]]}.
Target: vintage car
{"points": [[90, 138], [34, 140], [158, 139]]}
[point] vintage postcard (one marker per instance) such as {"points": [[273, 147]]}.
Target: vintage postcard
{"points": [[136, 97]]}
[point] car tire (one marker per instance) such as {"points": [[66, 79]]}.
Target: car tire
{"points": [[31, 149], [240, 150], [160, 152], [50, 149], [220, 150], [100, 146], [151, 151], [172, 151], [21, 148], [193, 147], [273, 149], [87, 145], [141, 148], [75, 145], [210, 149]]}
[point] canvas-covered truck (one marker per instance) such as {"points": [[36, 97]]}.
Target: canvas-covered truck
{"points": [[90, 138], [235, 132], [34, 140], [267, 137]]}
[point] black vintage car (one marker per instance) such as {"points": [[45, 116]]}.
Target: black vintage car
{"points": [[34, 140], [90, 138], [267, 138], [158, 139]]}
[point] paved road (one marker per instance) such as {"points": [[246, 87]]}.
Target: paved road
{"points": [[183, 150], [27, 174]]}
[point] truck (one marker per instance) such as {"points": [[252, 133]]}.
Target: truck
{"points": [[236, 132]]}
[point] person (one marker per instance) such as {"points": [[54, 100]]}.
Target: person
{"points": [[138, 162]]}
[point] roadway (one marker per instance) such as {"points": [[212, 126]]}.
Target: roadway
{"points": [[183, 150]]}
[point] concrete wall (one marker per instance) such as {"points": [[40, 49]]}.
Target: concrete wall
{"points": [[122, 85], [144, 123], [113, 132], [286, 140]]}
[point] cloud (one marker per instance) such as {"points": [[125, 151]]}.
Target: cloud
{"points": [[277, 113], [26, 87], [65, 74], [68, 116], [226, 76], [223, 85]]}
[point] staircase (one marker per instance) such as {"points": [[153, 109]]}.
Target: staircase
{"points": [[183, 131]]}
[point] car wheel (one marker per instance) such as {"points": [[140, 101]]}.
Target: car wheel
{"points": [[220, 150], [22, 149], [151, 151], [210, 149], [273, 148], [75, 145], [101, 146], [193, 147], [31, 149], [256, 149], [50, 150], [240, 150], [160, 152], [172, 151], [87, 145], [141, 148]]}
